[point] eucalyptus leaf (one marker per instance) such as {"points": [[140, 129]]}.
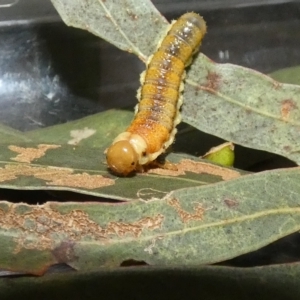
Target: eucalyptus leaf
{"points": [[10, 135], [243, 106], [234, 103], [287, 75], [133, 26], [198, 214], [83, 169], [103, 128], [190, 226]]}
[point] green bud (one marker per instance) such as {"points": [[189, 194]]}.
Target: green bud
{"points": [[222, 154]]}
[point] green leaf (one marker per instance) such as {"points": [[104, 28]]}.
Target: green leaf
{"points": [[133, 26], [243, 106], [71, 157], [84, 170], [234, 103], [191, 226], [102, 128], [287, 75], [192, 217], [280, 282], [10, 135]]}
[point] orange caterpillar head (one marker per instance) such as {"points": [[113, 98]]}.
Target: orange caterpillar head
{"points": [[122, 158]]}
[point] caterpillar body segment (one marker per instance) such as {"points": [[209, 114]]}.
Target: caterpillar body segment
{"points": [[157, 114]]}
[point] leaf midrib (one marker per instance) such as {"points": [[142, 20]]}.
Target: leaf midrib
{"points": [[119, 29]]}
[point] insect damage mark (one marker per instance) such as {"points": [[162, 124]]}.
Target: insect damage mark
{"points": [[213, 81], [64, 252], [186, 216], [42, 228], [231, 203], [121, 229], [149, 194], [27, 155], [287, 106], [149, 249], [81, 180], [276, 84], [187, 165], [132, 15], [80, 134], [55, 176]]}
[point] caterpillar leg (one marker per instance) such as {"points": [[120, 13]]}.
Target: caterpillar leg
{"points": [[162, 164]]}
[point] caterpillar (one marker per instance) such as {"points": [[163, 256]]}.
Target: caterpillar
{"points": [[157, 113]]}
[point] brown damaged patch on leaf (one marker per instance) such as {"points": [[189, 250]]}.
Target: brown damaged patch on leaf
{"points": [[149, 194], [121, 229], [186, 216], [231, 203], [133, 16], [64, 252], [286, 107], [213, 81], [27, 155], [83, 180], [10, 172], [187, 165], [55, 176], [277, 85], [42, 228]]}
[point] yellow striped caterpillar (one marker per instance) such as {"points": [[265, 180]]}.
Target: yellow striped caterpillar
{"points": [[157, 114]]}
